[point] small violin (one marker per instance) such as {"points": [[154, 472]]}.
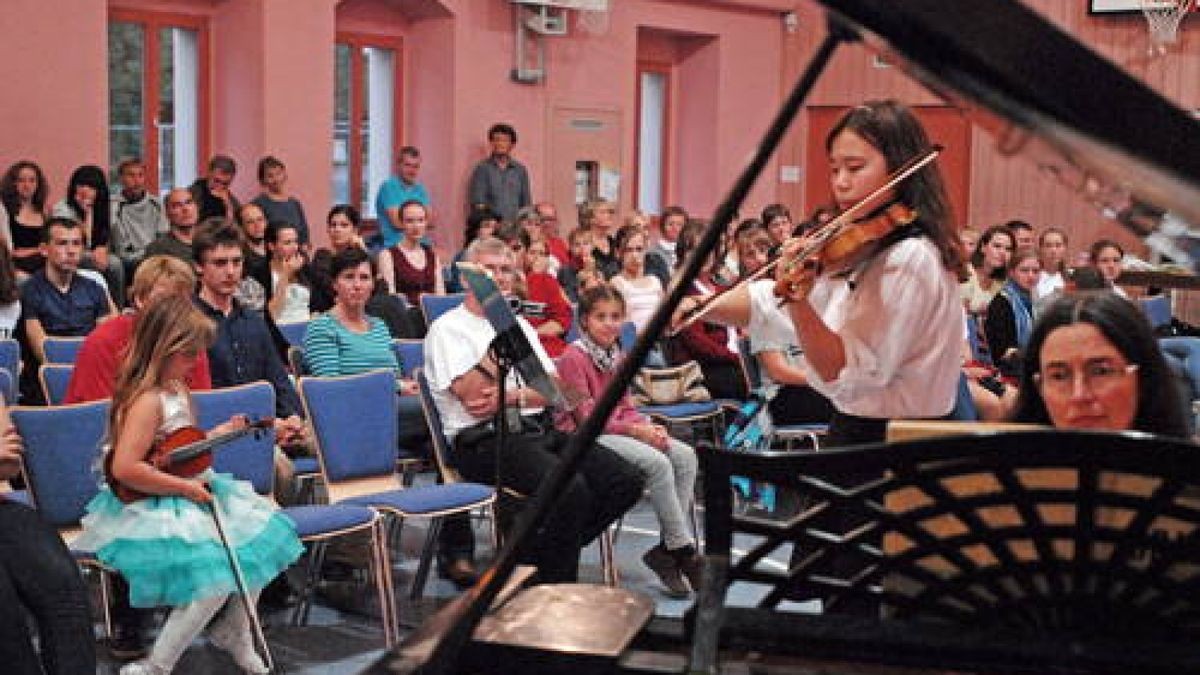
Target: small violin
{"points": [[185, 452], [835, 244]]}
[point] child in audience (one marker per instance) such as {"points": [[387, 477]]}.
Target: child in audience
{"points": [[669, 465], [583, 269], [166, 543]]}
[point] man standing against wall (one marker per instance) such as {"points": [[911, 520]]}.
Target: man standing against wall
{"points": [[500, 182], [397, 189]]}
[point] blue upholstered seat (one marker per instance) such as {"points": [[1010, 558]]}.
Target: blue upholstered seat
{"points": [[54, 378], [293, 332], [434, 305], [62, 349]]}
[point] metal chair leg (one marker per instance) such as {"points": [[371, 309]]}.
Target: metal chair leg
{"points": [[382, 568], [431, 537], [608, 562], [106, 601]]}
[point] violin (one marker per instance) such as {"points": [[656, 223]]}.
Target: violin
{"points": [[838, 235], [185, 452], [835, 246]]}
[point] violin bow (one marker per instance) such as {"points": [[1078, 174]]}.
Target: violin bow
{"points": [[823, 235], [248, 605]]}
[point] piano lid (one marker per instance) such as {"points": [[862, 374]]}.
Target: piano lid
{"points": [[1041, 94]]}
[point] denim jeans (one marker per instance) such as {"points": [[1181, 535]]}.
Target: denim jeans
{"points": [[670, 482], [38, 573]]}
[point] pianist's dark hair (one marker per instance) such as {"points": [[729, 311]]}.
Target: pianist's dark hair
{"points": [[891, 128], [1159, 408]]}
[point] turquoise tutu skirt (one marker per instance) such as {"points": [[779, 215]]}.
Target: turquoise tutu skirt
{"points": [[169, 550]]}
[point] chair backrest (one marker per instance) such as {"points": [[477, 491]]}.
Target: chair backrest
{"points": [[354, 421], [62, 349], [296, 360], [1157, 309], [628, 336], [293, 332], [573, 330], [10, 356], [437, 433], [979, 348], [62, 452], [8, 387], [54, 378], [251, 457], [434, 305], [410, 354]]}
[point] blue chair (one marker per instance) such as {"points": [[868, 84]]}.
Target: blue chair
{"points": [[293, 332], [573, 331], [628, 336], [10, 357], [251, 458], [1157, 309], [354, 421], [54, 378], [62, 349], [62, 448], [434, 305], [410, 354], [785, 434], [296, 360], [8, 386]]}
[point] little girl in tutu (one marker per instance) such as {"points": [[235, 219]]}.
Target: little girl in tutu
{"points": [[166, 544]]}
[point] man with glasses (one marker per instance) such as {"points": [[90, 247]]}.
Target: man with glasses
{"points": [[212, 192], [462, 377], [397, 190], [550, 227]]}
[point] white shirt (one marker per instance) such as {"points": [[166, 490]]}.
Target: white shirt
{"points": [[901, 326], [457, 341], [642, 297], [1048, 282], [295, 304]]}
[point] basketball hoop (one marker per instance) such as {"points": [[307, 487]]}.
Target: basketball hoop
{"points": [[1164, 17]]}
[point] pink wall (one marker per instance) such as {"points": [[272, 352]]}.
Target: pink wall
{"points": [[55, 82]]}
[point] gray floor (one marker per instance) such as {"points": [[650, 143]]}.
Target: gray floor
{"points": [[343, 635]]}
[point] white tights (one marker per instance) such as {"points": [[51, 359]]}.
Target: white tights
{"points": [[230, 631]]}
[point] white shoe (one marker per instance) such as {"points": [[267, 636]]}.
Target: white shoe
{"points": [[142, 667], [239, 647]]}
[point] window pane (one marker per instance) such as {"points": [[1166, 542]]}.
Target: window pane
{"points": [[379, 82], [341, 124], [126, 68], [651, 141], [178, 109]]}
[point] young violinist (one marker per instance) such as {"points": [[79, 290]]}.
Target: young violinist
{"points": [[166, 543], [881, 327]]}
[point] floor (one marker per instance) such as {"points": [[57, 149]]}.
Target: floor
{"points": [[343, 635]]}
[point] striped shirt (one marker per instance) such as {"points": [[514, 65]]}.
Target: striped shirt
{"points": [[332, 349]]}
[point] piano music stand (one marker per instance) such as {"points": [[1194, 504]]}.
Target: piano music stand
{"points": [[1040, 549]]}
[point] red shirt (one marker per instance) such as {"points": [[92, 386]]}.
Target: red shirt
{"points": [[95, 372], [544, 288]]}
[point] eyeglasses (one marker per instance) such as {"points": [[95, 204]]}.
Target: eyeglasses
{"points": [[1098, 377]]}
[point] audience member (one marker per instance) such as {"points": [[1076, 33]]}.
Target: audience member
{"points": [[1024, 235], [1092, 363], [1010, 314], [39, 578], [500, 182], [24, 191], [752, 244], [290, 290], [462, 377], [546, 306], [481, 223], [550, 226], [582, 271], [57, 301], [670, 224], [667, 466], [712, 345], [88, 202], [182, 217], [969, 237], [600, 217], [530, 221], [989, 263], [254, 290], [342, 226], [642, 292], [243, 351], [411, 267], [1052, 252], [212, 193], [397, 190], [137, 216], [778, 221], [10, 296], [276, 202], [1106, 255]]}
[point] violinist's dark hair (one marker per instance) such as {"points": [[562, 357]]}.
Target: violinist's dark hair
{"points": [[1159, 410], [892, 129]]}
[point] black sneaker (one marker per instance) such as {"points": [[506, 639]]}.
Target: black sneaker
{"points": [[665, 565]]}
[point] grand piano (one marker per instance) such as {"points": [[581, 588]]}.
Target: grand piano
{"points": [[1120, 146]]}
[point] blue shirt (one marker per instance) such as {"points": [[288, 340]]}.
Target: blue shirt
{"points": [[332, 349], [70, 314], [392, 194], [244, 352]]}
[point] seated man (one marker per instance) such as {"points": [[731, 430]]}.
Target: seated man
{"points": [[462, 374]]}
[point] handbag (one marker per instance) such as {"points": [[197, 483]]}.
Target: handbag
{"points": [[668, 386]]}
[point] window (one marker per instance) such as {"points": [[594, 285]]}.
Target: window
{"points": [[365, 124], [156, 108], [652, 97]]}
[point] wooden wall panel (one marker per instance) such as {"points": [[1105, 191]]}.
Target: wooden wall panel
{"points": [[1003, 188]]}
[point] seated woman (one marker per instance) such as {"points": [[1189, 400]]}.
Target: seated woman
{"points": [[988, 264], [1106, 255], [342, 225], [712, 345], [290, 291], [37, 573], [546, 306], [1052, 251], [1092, 363], [668, 465], [1010, 314], [411, 267], [642, 292], [346, 340], [482, 222], [581, 271]]}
